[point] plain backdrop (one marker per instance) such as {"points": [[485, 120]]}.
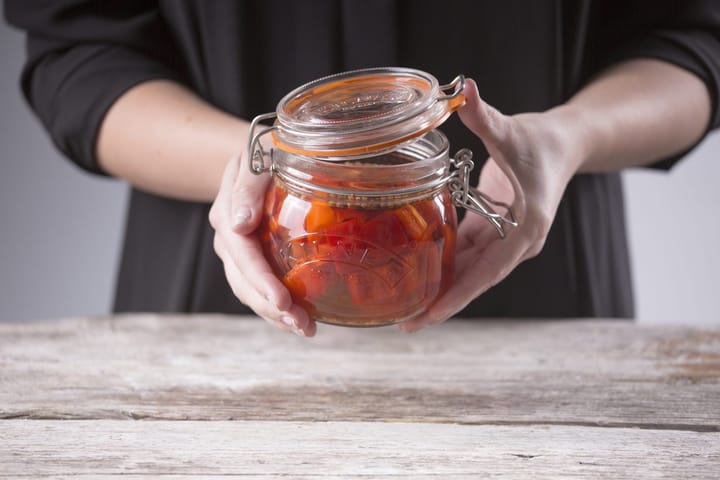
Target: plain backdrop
{"points": [[61, 229]]}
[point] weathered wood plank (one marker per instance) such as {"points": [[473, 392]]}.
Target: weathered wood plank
{"points": [[221, 368], [347, 450]]}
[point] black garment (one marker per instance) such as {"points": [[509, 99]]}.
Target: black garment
{"points": [[243, 56]]}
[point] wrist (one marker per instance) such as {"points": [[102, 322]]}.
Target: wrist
{"points": [[576, 139]]}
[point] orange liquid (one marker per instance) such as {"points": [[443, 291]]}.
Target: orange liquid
{"points": [[356, 266]]}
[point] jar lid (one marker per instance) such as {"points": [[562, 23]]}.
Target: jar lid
{"points": [[363, 111]]}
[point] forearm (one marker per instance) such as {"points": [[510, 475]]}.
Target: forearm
{"points": [[635, 113], [164, 139]]}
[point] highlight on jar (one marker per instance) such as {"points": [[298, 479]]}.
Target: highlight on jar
{"points": [[360, 218]]}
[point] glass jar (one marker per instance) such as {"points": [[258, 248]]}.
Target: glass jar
{"points": [[359, 220]]}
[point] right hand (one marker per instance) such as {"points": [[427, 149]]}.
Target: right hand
{"points": [[235, 215], [533, 156]]}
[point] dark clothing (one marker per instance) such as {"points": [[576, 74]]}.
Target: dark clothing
{"points": [[243, 56]]}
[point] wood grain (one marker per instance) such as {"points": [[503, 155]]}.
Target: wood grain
{"points": [[349, 450], [584, 373]]}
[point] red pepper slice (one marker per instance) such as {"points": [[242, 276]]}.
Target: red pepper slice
{"points": [[308, 282], [320, 216], [386, 230], [413, 222]]}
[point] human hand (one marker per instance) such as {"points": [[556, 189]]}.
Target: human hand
{"points": [[235, 215], [532, 158]]}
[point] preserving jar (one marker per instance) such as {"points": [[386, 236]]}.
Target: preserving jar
{"points": [[359, 219]]}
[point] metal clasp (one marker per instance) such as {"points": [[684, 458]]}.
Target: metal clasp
{"points": [[456, 87], [256, 152], [470, 198], [454, 96]]}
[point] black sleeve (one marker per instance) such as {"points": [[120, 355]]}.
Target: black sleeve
{"points": [[685, 33], [81, 56]]}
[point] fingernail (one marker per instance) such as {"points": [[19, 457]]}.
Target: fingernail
{"points": [[242, 215], [289, 321], [272, 301], [408, 328]]}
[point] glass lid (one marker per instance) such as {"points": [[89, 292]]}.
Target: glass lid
{"points": [[363, 111]]}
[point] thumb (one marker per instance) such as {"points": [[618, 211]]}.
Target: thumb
{"points": [[481, 118], [247, 197]]}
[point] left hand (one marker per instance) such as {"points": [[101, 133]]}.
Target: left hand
{"points": [[532, 158]]}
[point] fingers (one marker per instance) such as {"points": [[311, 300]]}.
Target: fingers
{"points": [[482, 261], [247, 197], [484, 270], [474, 234], [522, 171], [481, 118], [289, 318], [217, 214], [497, 132], [246, 254], [247, 271]]}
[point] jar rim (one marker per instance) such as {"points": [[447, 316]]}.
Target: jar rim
{"points": [[427, 168]]}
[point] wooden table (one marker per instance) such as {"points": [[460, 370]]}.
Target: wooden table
{"points": [[217, 396]]}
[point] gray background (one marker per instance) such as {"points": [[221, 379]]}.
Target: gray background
{"points": [[61, 229]]}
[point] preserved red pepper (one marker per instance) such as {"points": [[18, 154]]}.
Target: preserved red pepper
{"points": [[379, 264]]}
